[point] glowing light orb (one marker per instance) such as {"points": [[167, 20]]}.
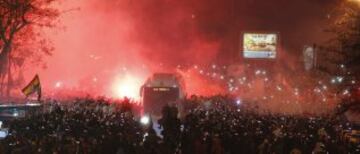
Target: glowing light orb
{"points": [[127, 86], [238, 102], [145, 120], [58, 84]]}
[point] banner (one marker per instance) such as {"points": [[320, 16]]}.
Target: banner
{"points": [[309, 57]]}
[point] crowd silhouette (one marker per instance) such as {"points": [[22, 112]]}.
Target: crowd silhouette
{"points": [[214, 125]]}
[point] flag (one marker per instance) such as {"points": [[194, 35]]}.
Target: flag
{"points": [[32, 87]]}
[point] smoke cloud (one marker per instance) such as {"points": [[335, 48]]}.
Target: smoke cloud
{"points": [[104, 38]]}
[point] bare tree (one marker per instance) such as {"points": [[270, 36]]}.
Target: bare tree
{"points": [[342, 53], [18, 21]]}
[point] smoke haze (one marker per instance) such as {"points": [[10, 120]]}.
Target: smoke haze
{"points": [[105, 38]]}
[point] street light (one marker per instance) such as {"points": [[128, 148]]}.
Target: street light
{"points": [[354, 1]]}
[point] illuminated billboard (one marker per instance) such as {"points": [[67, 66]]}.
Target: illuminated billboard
{"points": [[309, 57], [260, 45]]}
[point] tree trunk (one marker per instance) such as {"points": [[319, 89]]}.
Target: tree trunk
{"points": [[4, 62], [9, 79], [1, 84]]}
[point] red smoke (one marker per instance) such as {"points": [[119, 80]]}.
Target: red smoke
{"points": [[106, 40]]}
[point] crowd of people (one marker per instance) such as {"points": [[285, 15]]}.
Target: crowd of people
{"points": [[215, 125], [226, 128], [82, 126]]}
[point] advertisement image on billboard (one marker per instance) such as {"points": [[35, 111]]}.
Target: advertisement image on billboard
{"points": [[260, 45]]}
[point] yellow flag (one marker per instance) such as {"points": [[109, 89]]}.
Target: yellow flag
{"points": [[32, 87]]}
